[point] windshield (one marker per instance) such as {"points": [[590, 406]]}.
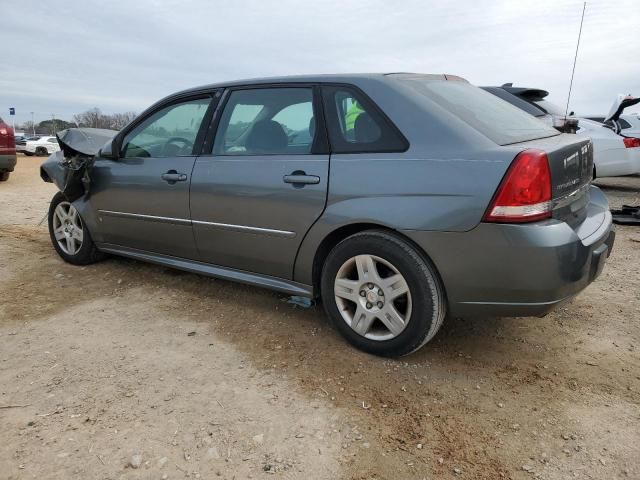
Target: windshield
{"points": [[494, 118]]}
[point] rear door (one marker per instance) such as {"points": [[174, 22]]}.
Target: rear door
{"points": [[255, 196], [142, 198]]}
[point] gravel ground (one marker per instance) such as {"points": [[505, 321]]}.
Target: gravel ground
{"points": [[128, 370]]}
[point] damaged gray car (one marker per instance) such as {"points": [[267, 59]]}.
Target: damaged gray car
{"points": [[395, 198]]}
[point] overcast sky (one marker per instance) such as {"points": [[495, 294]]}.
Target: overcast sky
{"points": [[64, 57]]}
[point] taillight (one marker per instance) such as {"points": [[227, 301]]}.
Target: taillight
{"points": [[3, 131], [524, 195], [631, 142]]}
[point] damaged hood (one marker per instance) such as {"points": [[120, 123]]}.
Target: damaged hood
{"points": [[83, 141], [620, 103], [70, 168]]}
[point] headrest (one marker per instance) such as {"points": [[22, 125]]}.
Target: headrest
{"points": [[267, 136]]}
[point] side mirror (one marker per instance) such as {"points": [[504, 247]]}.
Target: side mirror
{"points": [[109, 150]]}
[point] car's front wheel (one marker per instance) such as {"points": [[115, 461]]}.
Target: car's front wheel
{"points": [[4, 176], [69, 234], [382, 294]]}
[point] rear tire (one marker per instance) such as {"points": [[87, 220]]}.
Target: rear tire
{"points": [[69, 235], [383, 296], [4, 176], [41, 151]]}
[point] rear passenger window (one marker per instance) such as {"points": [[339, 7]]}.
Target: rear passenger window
{"points": [[267, 121], [355, 125]]}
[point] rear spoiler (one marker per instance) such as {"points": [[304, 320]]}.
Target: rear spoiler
{"points": [[528, 93]]}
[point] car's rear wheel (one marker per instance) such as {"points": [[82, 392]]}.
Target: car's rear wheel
{"points": [[382, 295], [4, 176], [41, 151], [69, 234]]}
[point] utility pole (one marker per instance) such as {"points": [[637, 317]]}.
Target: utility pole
{"points": [[53, 123], [33, 125]]}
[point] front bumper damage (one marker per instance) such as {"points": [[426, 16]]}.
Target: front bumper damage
{"points": [[70, 168]]}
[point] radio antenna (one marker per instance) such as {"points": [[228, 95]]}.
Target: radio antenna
{"points": [[575, 59]]}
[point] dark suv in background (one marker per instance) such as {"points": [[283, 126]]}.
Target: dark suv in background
{"points": [[7, 151], [533, 101]]}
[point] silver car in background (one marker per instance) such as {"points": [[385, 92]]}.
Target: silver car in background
{"points": [[394, 198]]}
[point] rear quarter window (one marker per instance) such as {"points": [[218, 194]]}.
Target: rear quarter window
{"points": [[496, 119], [356, 125]]}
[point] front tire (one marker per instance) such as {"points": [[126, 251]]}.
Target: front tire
{"points": [[4, 176], [69, 235], [383, 296]]}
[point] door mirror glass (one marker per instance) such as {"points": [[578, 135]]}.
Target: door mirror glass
{"points": [[169, 132]]}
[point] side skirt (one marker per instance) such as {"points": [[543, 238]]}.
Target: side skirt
{"points": [[273, 283]]}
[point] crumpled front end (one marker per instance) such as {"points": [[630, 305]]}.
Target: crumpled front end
{"points": [[70, 168]]}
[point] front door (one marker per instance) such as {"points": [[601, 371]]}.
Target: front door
{"points": [[142, 198], [257, 195]]}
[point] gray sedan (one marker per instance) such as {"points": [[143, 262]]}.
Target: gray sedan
{"points": [[395, 198]]}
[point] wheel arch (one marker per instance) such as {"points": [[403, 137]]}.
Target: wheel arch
{"points": [[337, 235]]}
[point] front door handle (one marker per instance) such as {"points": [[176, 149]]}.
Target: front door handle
{"points": [[171, 177], [300, 179]]}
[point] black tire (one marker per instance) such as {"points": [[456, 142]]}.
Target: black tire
{"points": [[4, 176], [41, 151], [87, 253], [427, 294]]}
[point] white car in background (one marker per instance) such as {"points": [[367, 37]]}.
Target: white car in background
{"points": [[616, 150], [42, 146], [613, 154]]}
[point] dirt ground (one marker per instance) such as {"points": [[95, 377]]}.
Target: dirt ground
{"points": [[128, 370]]}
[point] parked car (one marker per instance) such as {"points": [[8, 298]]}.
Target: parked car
{"points": [[614, 154], [21, 142], [535, 103], [7, 151], [42, 146], [413, 196], [613, 141]]}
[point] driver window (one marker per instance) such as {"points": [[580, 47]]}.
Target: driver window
{"points": [[170, 132]]}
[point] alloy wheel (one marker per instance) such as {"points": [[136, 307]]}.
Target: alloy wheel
{"points": [[373, 297], [67, 228]]}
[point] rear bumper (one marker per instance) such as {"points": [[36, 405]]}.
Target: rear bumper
{"points": [[520, 270], [7, 162]]}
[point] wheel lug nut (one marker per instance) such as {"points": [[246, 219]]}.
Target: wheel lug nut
{"points": [[380, 304], [369, 305], [380, 292], [362, 293], [370, 286]]}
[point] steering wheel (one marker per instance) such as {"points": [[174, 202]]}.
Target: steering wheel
{"points": [[172, 148]]}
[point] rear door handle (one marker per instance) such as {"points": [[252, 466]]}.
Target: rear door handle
{"points": [[172, 177], [300, 178]]}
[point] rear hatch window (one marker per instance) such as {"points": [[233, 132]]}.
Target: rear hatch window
{"points": [[496, 119]]}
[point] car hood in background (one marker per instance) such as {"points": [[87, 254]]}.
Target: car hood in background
{"points": [[621, 102], [83, 141]]}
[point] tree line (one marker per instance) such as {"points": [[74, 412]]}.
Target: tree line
{"points": [[92, 118]]}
